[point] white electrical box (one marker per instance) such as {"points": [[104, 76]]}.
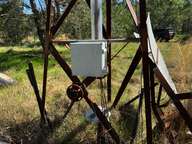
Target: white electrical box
{"points": [[89, 59]]}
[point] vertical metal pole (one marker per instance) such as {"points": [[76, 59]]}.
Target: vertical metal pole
{"points": [[108, 31], [154, 106], [46, 52], [96, 19], [153, 101], [146, 69], [100, 134], [159, 94], [93, 19]]}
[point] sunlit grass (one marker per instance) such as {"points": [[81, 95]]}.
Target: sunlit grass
{"points": [[18, 103]]}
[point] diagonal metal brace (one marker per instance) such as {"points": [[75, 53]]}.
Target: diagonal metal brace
{"points": [[183, 112], [133, 13], [32, 79], [56, 26], [183, 96], [92, 105], [63, 64], [128, 76]]}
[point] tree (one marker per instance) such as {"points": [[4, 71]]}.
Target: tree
{"points": [[122, 24], [78, 22], [14, 25], [39, 20], [187, 22], [167, 13]]}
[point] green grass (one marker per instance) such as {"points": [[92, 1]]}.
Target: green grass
{"points": [[19, 115]]}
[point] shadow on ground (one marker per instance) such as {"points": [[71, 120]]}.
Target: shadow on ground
{"points": [[32, 133], [127, 120], [19, 59]]}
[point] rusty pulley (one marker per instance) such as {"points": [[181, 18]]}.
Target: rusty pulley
{"points": [[75, 92]]}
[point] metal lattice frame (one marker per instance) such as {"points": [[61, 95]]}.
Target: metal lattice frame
{"points": [[142, 54]]}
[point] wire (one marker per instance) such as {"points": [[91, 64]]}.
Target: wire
{"points": [[101, 133], [142, 125], [141, 110], [115, 55], [102, 94]]}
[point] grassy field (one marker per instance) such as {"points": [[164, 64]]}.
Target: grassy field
{"points": [[19, 115]]}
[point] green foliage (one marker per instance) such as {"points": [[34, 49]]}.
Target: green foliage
{"points": [[19, 116], [122, 24], [78, 23], [14, 24], [169, 13], [187, 23]]}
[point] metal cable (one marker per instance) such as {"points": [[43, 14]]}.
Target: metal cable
{"points": [[141, 111], [102, 86], [68, 110], [115, 55]]}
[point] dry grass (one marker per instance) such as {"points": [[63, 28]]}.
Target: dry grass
{"points": [[179, 60], [19, 116]]}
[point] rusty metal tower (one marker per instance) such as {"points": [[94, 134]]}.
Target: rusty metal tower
{"points": [[151, 69]]}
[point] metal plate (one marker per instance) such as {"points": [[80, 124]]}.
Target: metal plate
{"points": [[156, 56]]}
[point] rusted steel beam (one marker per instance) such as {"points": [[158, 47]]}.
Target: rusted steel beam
{"points": [[102, 119], [92, 105], [183, 112], [128, 76], [146, 69], [100, 134], [56, 26], [108, 31], [155, 108], [159, 94], [183, 96], [132, 100], [63, 64], [165, 104], [88, 80], [48, 22], [136, 124], [68, 110], [133, 13], [46, 53], [153, 101], [130, 39], [31, 76]]}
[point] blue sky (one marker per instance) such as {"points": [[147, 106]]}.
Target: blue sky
{"points": [[41, 2], [38, 2]]}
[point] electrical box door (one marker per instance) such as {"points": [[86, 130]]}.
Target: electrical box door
{"points": [[89, 59]]}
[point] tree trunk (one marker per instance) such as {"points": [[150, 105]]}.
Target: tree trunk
{"points": [[37, 18]]}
